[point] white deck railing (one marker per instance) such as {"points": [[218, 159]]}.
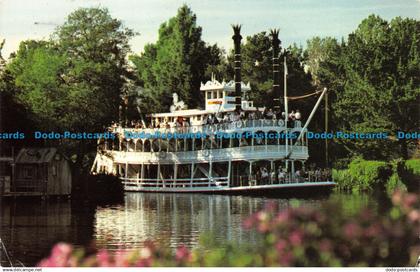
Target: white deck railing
{"points": [[220, 127], [216, 155]]}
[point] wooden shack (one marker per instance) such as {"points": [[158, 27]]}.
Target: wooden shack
{"points": [[42, 171]]}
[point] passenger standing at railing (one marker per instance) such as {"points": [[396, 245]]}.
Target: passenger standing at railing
{"points": [[297, 176], [264, 175], [204, 120], [258, 114], [318, 174], [273, 176], [325, 174], [219, 117], [311, 175], [281, 175], [269, 114], [251, 116], [236, 117], [292, 116], [209, 120], [286, 176], [298, 115], [258, 176], [226, 118], [264, 113]]}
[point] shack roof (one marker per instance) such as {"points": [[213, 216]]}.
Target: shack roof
{"points": [[36, 155]]}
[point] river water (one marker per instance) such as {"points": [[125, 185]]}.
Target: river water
{"points": [[29, 229]]}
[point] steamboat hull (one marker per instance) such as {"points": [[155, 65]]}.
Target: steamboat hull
{"points": [[293, 189]]}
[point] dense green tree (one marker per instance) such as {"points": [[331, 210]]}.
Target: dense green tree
{"points": [[36, 69], [177, 62], [75, 81], [96, 47], [323, 60]]}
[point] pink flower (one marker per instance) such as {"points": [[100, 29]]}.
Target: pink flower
{"points": [[263, 227], [103, 258], [296, 238], [325, 245], [409, 200], [286, 259], [182, 254], [397, 197], [281, 245], [373, 230], [282, 217], [248, 223], [121, 258], [414, 216], [60, 256], [352, 230], [144, 263]]}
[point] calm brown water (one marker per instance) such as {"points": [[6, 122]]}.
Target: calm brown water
{"points": [[30, 229]]}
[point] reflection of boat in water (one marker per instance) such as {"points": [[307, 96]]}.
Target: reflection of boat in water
{"points": [[175, 219], [229, 147]]}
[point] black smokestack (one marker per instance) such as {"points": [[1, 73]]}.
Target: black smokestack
{"points": [[237, 41], [276, 64]]}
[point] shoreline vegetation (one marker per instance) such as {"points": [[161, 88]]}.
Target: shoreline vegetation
{"points": [[367, 176]]}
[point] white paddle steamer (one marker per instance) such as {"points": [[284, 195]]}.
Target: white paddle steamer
{"points": [[230, 146]]}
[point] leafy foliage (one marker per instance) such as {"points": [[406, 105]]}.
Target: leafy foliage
{"points": [[177, 62], [362, 175], [375, 80], [74, 81], [413, 165]]}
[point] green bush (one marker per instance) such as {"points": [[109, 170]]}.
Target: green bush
{"points": [[362, 175], [413, 165], [395, 183]]}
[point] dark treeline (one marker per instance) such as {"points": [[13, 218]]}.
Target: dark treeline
{"points": [[79, 78]]}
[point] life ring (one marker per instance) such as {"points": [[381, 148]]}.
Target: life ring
{"points": [[238, 124], [281, 123]]}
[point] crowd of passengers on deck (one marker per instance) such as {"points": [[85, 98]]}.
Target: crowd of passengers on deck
{"points": [[282, 175], [217, 118]]}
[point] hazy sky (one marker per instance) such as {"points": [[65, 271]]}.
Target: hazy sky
{"points": [[298, 20]]}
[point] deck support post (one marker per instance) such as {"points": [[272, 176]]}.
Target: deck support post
{"points": [[138, 176], [293, 170], [175, 174], [158, 174], [142, 173], [250, 172], [210, 173], [229, 172], [272, 168], [192, 175]]}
